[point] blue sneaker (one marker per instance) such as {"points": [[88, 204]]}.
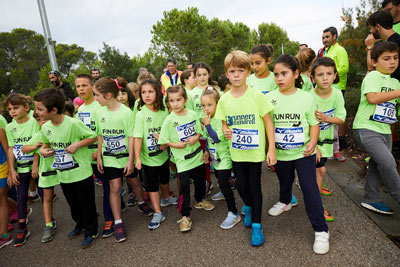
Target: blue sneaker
{"points": [[89, 241], [257, 235], [170, 201], [74, 233], [131, 200], [247, 216], [294, 201], [158, 218], [378, 207]]}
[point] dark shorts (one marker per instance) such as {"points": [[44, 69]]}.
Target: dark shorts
{"points": [[111, 173], [155, 175], [321, 162]]}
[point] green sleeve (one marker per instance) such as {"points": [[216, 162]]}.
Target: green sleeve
{"points": [[131, 124], [264, 105], [10, 135], [83, 131], [164, 134], [138, 129], [371, 83], [340, 109], [43, 136], [310, 114], [343, 60], [220, 112]]}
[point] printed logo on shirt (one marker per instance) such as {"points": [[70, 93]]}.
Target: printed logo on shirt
{"points": [[274, 102], [176, 123], [241, 119], [386, 89], [22, 140], [103, 119], [49, 132], [55, 145], [154, 130], [287, 118], [14, 129], [113, 131], [148, 119]]}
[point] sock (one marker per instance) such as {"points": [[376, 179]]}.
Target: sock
{"points": [[117, 221], [32, 193], [4, 236], [140, 203], [50, 224], [22, 225]]}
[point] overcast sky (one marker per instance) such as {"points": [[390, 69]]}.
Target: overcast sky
{"points": [[126, 24]]}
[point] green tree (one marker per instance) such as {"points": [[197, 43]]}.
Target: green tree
{"points": [[71, 56], [114, 64]]}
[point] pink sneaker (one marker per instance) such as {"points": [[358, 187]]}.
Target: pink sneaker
{"points": [[5, 241], [13, 216], [339, 157]]}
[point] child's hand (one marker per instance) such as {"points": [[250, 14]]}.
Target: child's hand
{"points": [[319, 155], [271, 158], [46, 152], [156, 136], [180, 145], [13, 178], [206, 119], [94, 156], [138, 164], [35, 171], [228, 134], [100, 165], [163, 147], [310, 148], [129, 168], [72, 148], [38, 144], [320, 116], [205, 157], [191, 140]]}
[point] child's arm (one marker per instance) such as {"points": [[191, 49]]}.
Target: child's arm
{"points": [[4, 144], [84, 142], [310, 147], [380, 97], [138, 148], [129, 165], [30, 148], [213, 135], [46, 150], [99, 158], [13, 175], [321, 117], [193, 139], [176, 145], [35, 166], [226, 130], [269, 129]]}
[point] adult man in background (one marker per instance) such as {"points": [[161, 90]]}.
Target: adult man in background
{"points": [[55, 79], [393, 6], [171, 76], [96, 74]]}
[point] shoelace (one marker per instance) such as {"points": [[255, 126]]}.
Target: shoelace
{"points": [[20, 235], [108, 225]]}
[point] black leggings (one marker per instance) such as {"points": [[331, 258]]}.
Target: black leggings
{"points": [[23, 188], [199, 181], [248, 175], [223, 177]]}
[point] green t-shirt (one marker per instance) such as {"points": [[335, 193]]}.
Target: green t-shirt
{"points": [[71, 167], [17, 136], [376, 117], [177, 129], [115, 127], [3, 122], [189, 102], [307, 85], [339, 55], [244, 115], [86, 115], [219, 152], [148, 123], [396, 27], [196, 94], [48, 175], [135, 108], [264, 85], [333, 106], [292, 116]]}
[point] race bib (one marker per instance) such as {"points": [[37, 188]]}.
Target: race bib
{"points": [[289, 138], [326, 125], [152, 143], [85, 118], [114, 144], [62, 160], [245, 139], [213, 155], [385, 112], [186, 130], [21, 156]]}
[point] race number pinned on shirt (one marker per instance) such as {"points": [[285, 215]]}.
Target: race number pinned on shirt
{"points": [[152, 143], [114, 144], [213, 155], [326, 125], [245, 139], [85, 118], [385, 112], [186, 130], [62, 160], [21, 156], [289, 138]]}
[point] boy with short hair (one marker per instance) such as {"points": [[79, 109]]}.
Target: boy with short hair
{"points": [[375, 114], [246, 120], [67, 139]]}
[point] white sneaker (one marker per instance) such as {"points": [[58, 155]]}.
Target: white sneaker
{"points": [[321, 243], [279, 208], [231, 220]]}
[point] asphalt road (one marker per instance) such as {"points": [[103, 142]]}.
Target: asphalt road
{"points": [[355, 239]]}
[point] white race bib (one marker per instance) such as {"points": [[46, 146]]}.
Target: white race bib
{"points": [[62, 160], [245, 139], [114, 144], [385, 112], [326, 125], [152, 143], [289, 138], [186, 130], [213, 155], [21, 156], [85, 118]]}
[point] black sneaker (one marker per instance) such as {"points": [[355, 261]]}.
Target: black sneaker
{"points": [[108, 229], [22, 235], [74, 233], [145, 209]]}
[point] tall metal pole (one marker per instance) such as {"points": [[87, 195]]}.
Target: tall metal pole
{"points": [[283, 52], [47, 35]]}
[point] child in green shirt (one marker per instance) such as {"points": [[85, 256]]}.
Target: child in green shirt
{"points": [[306, 57], [330, 112], [296, 136], [67, 139], [244, 113], [189, 82], [181, 132], [377, 111], [19, 132]]}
